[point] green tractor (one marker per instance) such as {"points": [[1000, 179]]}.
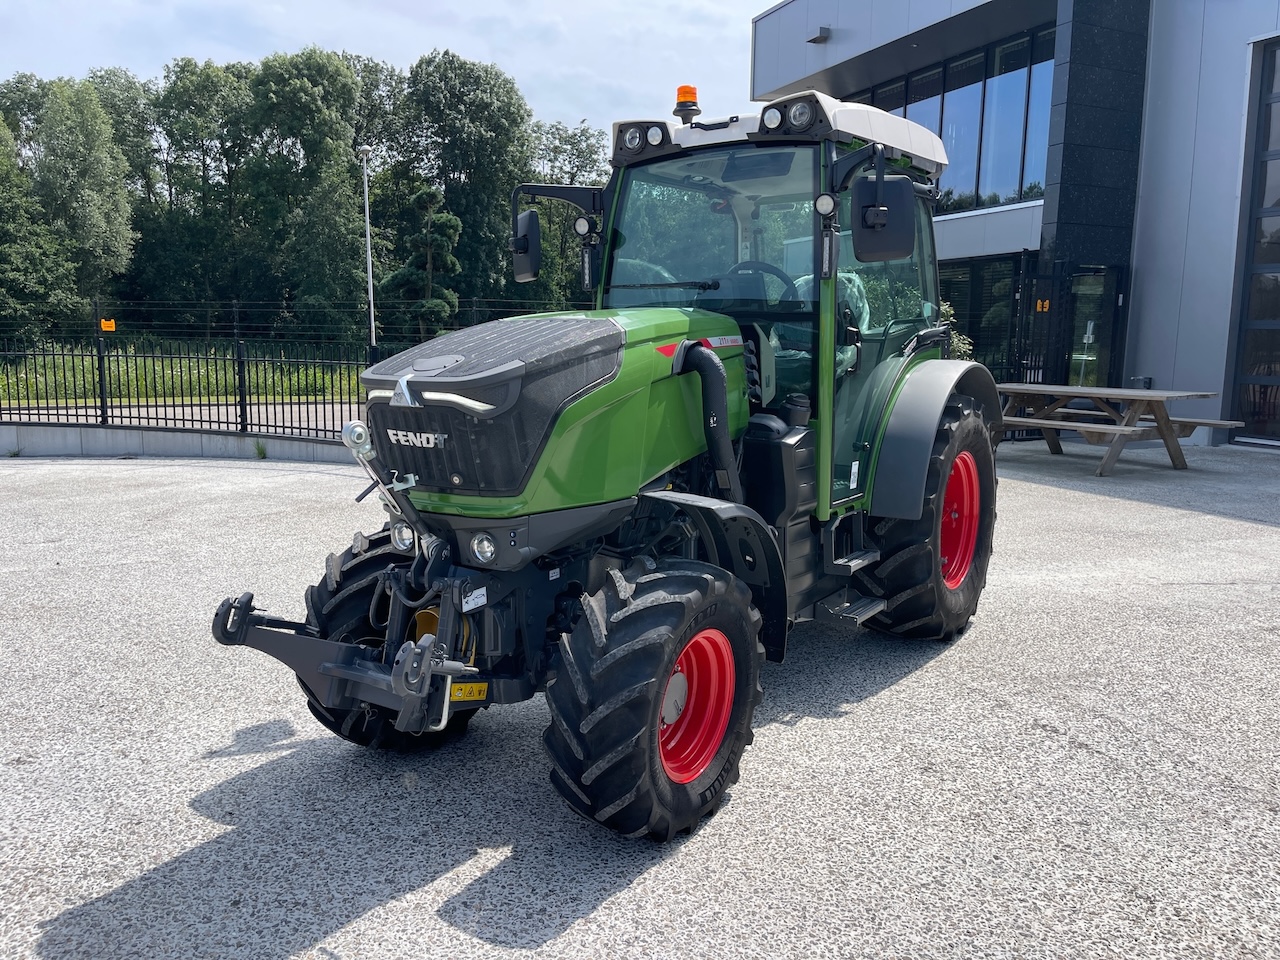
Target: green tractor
{"points": [[628, 508]]}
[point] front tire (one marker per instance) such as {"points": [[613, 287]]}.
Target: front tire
{"points": [[652, 700], [933, 570], [339, 607]]}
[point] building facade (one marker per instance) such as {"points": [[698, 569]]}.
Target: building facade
{"points": [[1111, 211]]}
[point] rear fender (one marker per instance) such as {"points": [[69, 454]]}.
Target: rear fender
{"points": [[737, 539], [902, 466]]}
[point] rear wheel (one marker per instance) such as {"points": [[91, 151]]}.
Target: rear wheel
{"points": [[932, 570], [339, 607], [652, 700]]}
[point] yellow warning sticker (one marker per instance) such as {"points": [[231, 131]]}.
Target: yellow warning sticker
{"points": [[469, 691]]}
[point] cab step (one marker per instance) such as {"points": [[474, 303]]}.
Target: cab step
{"points": [[856, 561], [845, 605]]}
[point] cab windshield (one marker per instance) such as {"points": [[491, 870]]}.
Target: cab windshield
{"points": [[730, 230]]}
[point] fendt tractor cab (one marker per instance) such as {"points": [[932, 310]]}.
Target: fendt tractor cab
{"points": [[630, 507]]}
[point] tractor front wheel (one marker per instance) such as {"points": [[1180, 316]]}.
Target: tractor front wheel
{"points": [[932, 570], [653, 695], [339, 607]]}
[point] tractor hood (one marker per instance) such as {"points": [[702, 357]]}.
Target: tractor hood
{"points": [[547, 409], [469, 411]]}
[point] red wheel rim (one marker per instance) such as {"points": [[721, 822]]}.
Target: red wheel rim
{"points": [[961, 505], [695, 708]]}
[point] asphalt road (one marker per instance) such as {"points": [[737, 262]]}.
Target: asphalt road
{"points": [[1092, 771]]}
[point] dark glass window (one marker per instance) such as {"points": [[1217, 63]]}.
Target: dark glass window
{"points": [[1003, 115], [891, 98], [1271, 125], [924, 98], [961, 122], [991, 109], [1271, 184], [1039, 97], [1267, 240], [1264, 298], [1257, 400]]}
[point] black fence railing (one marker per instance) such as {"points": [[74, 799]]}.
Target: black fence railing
{"points": [[293, 389], [294, 379]]}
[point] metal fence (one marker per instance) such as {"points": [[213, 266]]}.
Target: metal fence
{"points": [[288, 379], [293, 389]]}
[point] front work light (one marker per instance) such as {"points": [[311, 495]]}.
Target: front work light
{"points": [[582, 226], [631, 139], [773, 118], [402, 536], [800, 114], [654, 136], [483, 548], [825, 204]]}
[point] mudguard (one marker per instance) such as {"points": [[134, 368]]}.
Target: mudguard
{"points": [[903, 461], [737, 539]]}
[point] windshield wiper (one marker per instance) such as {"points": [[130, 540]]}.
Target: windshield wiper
{"points": [[703, 285]]}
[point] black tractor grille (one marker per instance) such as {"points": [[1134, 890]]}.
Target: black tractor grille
{"points": [[523, 371]]}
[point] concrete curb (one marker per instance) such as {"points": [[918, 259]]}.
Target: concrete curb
{"points": [[81, 440]]}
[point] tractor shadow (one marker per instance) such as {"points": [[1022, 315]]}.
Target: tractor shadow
{"points": [[322, 833]]}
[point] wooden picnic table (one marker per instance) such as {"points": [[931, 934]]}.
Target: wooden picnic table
{"points": [[1119, 415]]}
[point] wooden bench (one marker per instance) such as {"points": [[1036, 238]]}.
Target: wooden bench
{"points": [[1097, 430], [1185, 426]]}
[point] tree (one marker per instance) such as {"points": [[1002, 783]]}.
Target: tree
{"points": [[416, 284], [568, 155], [323, 258], [379, 115], [21, 103], [80, 182], [37, 283], [130, 105], [469, 134]]}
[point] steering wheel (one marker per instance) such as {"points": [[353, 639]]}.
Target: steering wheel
{"points": [[759, 266]]}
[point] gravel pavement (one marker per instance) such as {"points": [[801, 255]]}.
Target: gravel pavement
{"points": [[1092, 771]]}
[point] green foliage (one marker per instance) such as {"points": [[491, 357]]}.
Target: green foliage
{"points": [[419, 302], [37, 284], [79, 180], [239, 183], [469, 134], [961, 346]]}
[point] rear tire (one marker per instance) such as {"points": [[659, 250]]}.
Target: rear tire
{"points": [[933, 570], [653, 696], [339, 608]]}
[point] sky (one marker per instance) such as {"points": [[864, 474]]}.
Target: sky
{"points": [[572, 59]]}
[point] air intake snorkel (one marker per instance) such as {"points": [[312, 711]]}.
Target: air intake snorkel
{"points": [[691, 356]]}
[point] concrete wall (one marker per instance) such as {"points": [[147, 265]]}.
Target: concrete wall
{"points": [[76, 440], [1192, 186], [987, 233]]}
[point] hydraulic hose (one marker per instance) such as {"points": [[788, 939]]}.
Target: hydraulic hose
{"points": [[715, 413]]}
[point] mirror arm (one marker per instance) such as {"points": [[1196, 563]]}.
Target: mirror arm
{"points": [[590, 200], [843, 168]]}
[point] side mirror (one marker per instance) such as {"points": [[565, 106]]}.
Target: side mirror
{"points": [[884, 219], [526, 247]]}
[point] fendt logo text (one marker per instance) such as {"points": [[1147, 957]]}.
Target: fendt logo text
{"points": [[408, 438]]}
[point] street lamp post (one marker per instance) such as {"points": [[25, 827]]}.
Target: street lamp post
{"points": [[364, 152]]}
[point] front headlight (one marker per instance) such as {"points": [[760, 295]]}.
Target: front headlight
{"points": [[631, 139], [483, 548], [773, 118]]}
